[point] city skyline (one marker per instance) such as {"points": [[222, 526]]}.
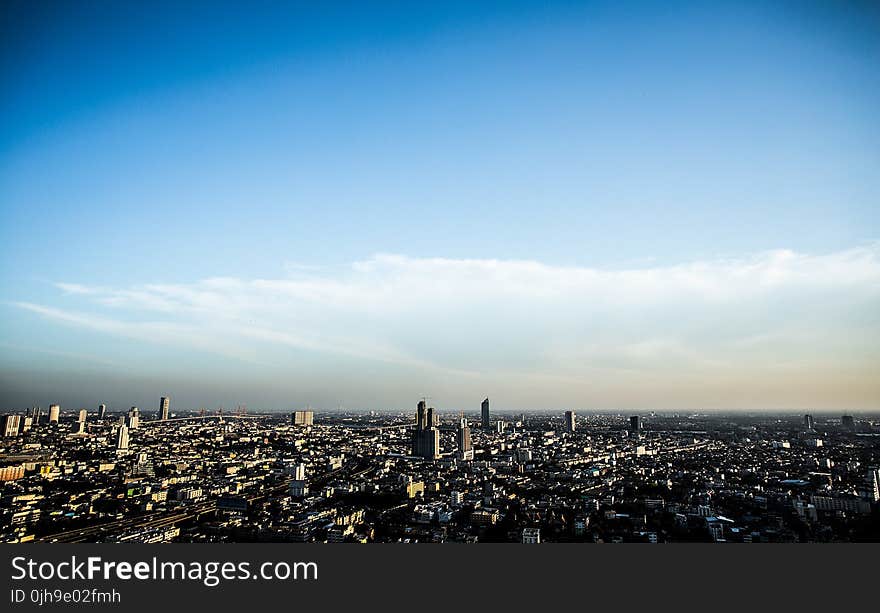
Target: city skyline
{"points": [[563, 205]]}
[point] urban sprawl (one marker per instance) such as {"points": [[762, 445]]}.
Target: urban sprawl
{"points": [[430, 476]]}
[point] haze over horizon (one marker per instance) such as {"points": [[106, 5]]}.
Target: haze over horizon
{"points": [[664, 206]]}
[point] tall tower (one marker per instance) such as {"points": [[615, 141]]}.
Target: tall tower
{"points": [[808, 422], [54, 413], [426, 437], [122, 438], [635, 427], [569, 421], [484, 410], [421, 416], [463, 437], [164, 404], [102, 411]]}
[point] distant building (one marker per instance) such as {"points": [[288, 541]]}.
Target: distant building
{"points": [[298, 488], [164, 405], [848, 423], [808, 422], [102, 411], [484, 413], [635, 426], [11, 425], [122, 438], [531, 535], [54, 413], [463, 436], [569, 421], [303, 418], [426, 436], [134, 418], [83, 414]]}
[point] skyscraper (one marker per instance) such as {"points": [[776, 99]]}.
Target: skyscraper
{"points": [[808, 422], [102, 411], [484, 410], [122, 438], [635, 426], [848, 423], [303, 418], [134, 418], [11, 424], [465, 449], [421, 416], [569, 421], [83, 414], [164, 404], [426, 436], [54, 413]]}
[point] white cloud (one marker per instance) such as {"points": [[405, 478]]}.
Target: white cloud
{"points": [[482, 316]]}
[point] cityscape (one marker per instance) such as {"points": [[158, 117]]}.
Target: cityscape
{"points": [[532, 272], [427, 475]]}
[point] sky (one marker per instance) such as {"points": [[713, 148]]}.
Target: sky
{"points": [[588, 205]]}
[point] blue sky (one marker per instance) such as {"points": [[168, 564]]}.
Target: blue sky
{"points": [[353, 204]]}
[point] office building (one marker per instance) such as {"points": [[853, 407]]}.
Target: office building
{"points": [[164, 405], [11, 425], [122, 438], [465, 448], [808, 422], [134, 418], [83, 414], [426, 436], [421, 415], [54, 413], [102, 411], [569, 421], [484, 413], [303, 418], [848, 423], [635, 427], [531, 535]]}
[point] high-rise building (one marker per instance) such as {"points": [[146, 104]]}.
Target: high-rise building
{"points": [[569, 421], [54, 413], [484, 413], [134, 418], [102, 411], [164, 405], [635, 426], [122, 438], [848, 423], [465, 449], [83, 414], [808, 422], [11, 425], [303, 418], [421, 416], [426, 436]]}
